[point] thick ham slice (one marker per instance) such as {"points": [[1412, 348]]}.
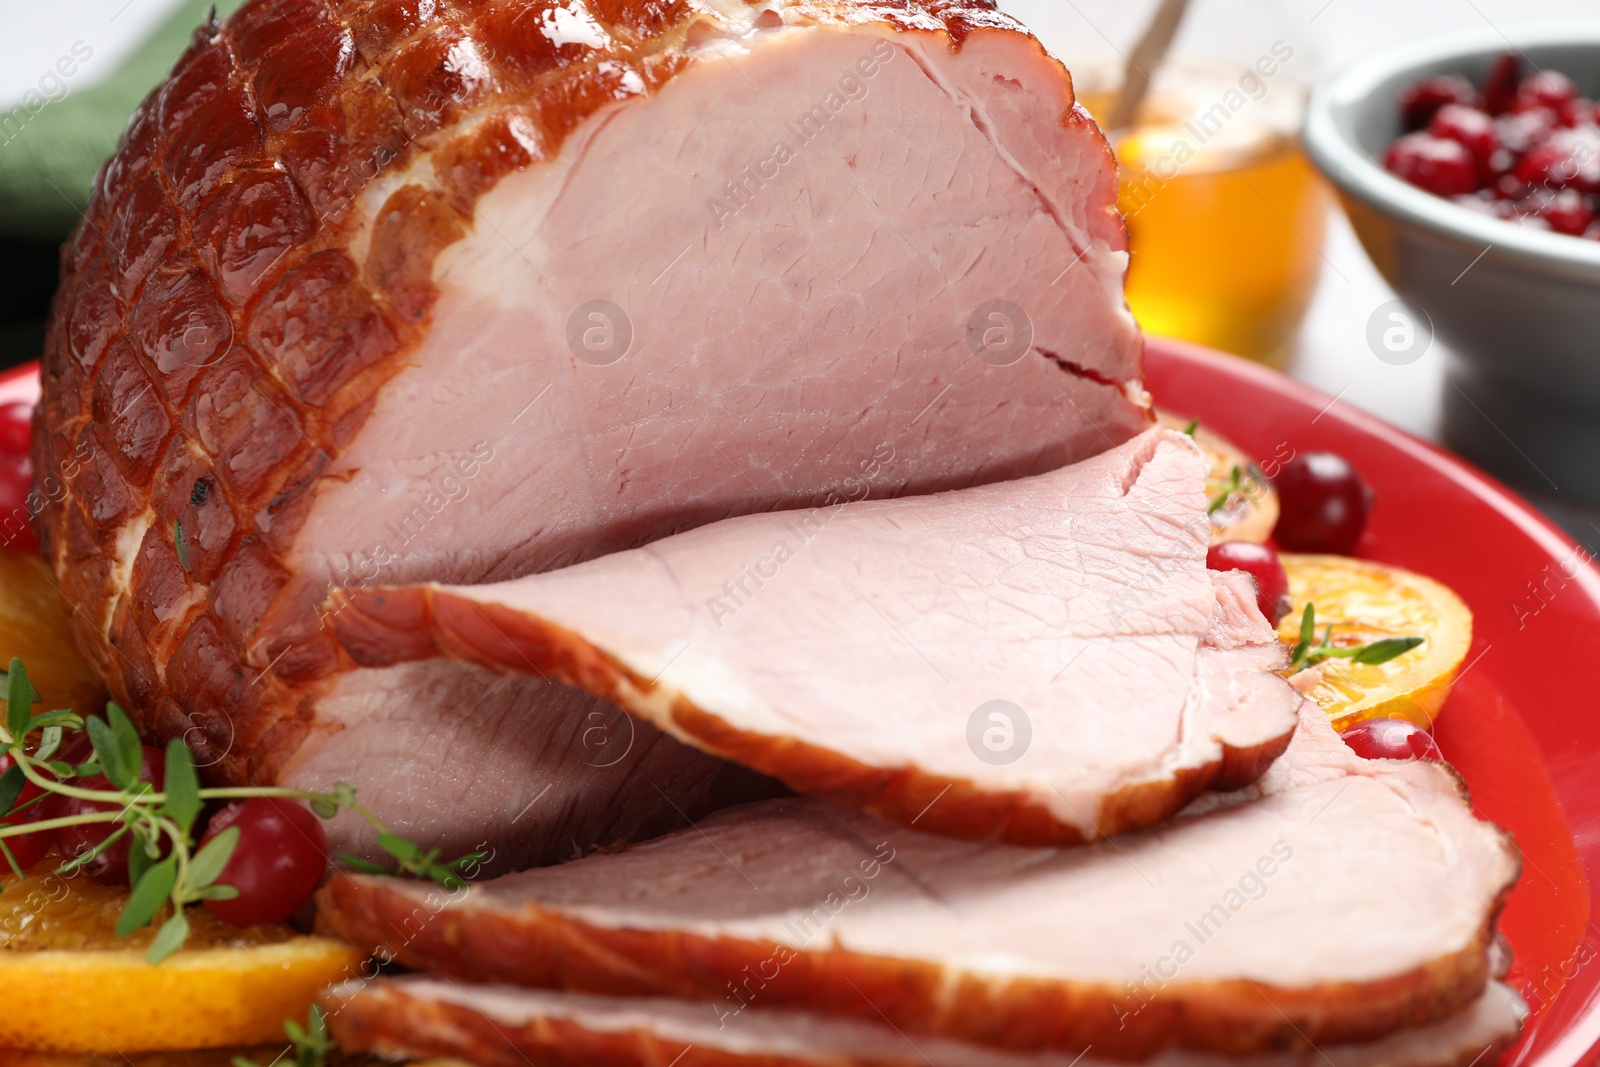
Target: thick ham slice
{"points": [[1045, 660], [1243, 928], [379, 292], [503, 1026]]}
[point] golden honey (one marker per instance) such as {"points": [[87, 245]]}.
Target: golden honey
{"points": [[1225, 219]]}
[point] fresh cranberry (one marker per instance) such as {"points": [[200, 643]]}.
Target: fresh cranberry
{"points": [[1567, 212], [1444, 168], [1520, 132], [28, 849], [1323, 504], [1562, 159], [1546, 88], [111, 866], [1390, 739], [1509, 187], [1262, 564], [1470, 127], [281, 855], [16, 428], [1501, 84], [1421, 100]]}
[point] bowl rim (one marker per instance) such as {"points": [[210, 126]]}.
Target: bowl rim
{"points": [[1357, 174]]}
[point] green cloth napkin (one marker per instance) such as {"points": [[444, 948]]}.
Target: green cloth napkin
{"points": [[47, 166]]}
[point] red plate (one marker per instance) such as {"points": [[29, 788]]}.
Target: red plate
{"points": [[1520, 725]]}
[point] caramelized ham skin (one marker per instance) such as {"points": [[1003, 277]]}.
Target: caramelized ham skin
{"points": [[857, 652], [503, 1026], [1229, 929], [317, 328]]}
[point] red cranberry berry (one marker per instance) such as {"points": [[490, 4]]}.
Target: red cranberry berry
{"points": [[1567, 212], [1470, 127], [111, 866], [1323, 504], [1501, 84], [1390, 739], [1262, 564], [1444, 168], [1519, 133], [1546, 88], [1421, 100], [277, 863]]}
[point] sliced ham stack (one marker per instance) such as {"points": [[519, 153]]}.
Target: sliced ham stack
{"points": [[377, 293], [1241, 928], [965, 662], [501, 1026]]}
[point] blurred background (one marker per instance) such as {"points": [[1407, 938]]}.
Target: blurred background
{"points": [[1241, 247]]}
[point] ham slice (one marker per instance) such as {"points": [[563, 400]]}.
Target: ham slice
{"points": [[502, 1026], [378, 293], [1242, 928], [1045, 661]]}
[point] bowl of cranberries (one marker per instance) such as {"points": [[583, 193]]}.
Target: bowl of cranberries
{"points": [[1470, 169]]}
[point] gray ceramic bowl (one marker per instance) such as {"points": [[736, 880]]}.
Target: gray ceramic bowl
{"points": [[1519, 308]]}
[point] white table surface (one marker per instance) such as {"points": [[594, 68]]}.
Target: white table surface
{"points": [[1331, 354]]}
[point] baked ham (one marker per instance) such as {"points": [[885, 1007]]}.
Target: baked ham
{"points": [[377, 293], [415, 1017], [1237, 928], [1044, 661]]}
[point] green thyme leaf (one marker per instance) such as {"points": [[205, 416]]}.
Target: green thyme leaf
{"points": [[153, 890], [49, 740], [65, 717], [182, 785], [126, 735], [324, 807], [207, 864], [398, 847], [217, 892], [139, 859], [19, 700], [118, 771], [361, 866], [11, 783], [1192, 427], [344, 794], [1385, 650], [169, 938]]}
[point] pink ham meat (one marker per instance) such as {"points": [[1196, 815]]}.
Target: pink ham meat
{"points": [[1044, 661], [376, 292], [1246, 926], [502, 1026]]}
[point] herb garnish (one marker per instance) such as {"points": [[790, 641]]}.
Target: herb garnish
{"points": [[311, 1041], [1308, 652], [164, 866]]}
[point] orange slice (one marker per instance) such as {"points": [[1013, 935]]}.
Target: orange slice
{"points": [[1250, 512], [71, 985], [1365, 602], [33, 627]]}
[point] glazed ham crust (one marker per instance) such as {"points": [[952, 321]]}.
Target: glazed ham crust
{"points": [[258, 280]]}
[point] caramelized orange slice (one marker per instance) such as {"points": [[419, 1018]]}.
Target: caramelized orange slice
{"points": [[1366, 602], [71, 985]]}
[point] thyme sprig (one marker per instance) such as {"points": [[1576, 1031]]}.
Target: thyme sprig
{"points": [[1308, 651], [311, 1042], [166, 869]]}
